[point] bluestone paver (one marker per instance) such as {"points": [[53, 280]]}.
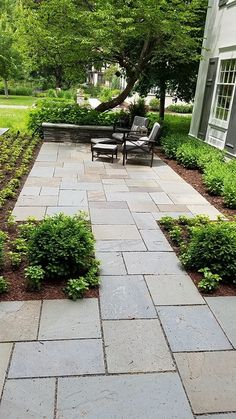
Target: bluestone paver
{"points": [[108, 205], [111, 216], [116, 232], [209, 210], [187, 199], [136, 346], [125, 297], [145, 221], [224, 309], [155, 240], [210, 380], [30, 191], [167, 290], [72, 198], [218, 416], [192, 328], [50, 190], [57, 358], [142, 206], [65, 319], [152, 263], [161, 198], [19, 320], [128, 396], [120, 245], [66, 210], [5, 353], [22, 213], [28, 399], [37, 201], [112, 263]]}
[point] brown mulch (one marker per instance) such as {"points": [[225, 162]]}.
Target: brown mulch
{"points": [[194, 178]]}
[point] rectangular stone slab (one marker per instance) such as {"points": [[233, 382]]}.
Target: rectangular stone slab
{"points": [[159, 263]]}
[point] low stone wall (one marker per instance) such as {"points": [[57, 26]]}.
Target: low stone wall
{"points": [[74, 133]]}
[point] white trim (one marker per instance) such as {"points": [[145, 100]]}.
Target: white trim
{"points": [[231, 3]]}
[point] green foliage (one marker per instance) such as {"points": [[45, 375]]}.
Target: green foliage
{"points": [[213, 245], [20, 245], [167, 223], [34, 275], [138, 108], [4, 285], [92, 276], [154, 104], [2, 241], [187, 154], [106, 93], [229, 186], [76, 288], [171, 144], [180, 108], [176, 234], [210, 281], [15, 259], [213, 177], [63, 246], [49, 111]]}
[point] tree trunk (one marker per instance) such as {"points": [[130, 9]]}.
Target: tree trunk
{"points": [[162, 99], [58, 77], [5, 87], [119, 99]]}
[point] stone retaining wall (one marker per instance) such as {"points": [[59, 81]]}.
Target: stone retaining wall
{"points": [[74, 133]]}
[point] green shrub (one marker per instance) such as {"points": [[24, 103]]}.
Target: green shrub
{"points": [[180, 108], [187, 154], [138, 108], [213, 177], [213, 246], [106, 93], [207, 155], [171, 144], [154, 104], [2, 241], [63, 246], [176, 235], [34, 275], [210, 281], [15, 259], [76, 288], [167, 223], [4, 285], [229, 191]]}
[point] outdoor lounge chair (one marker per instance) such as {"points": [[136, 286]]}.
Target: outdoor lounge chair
{"points": [[139, 123], [141, 145]]}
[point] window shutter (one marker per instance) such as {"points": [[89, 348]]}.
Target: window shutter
{"points": [[222, 2], [209, 89]]}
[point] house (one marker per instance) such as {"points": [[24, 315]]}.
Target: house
{"points": [[214, 115]]}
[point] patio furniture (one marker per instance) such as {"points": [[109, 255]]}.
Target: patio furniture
{"points": [[141, 145], [104, 149], [139, 125]]}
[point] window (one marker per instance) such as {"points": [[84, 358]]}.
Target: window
{"points": [[225, 89], [222, 2]]}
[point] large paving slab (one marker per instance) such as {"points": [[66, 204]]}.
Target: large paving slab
{"points": [[111, 216], [22, 213], [5, 353], [112, 263], [144, 396], [155, 241], [210, 380], [159, 263], [57, 358], [125, 297], [19, 320], [116, 232], [65, 210], [136, 346], [72, 198], [167, 290], [65, 319], [28, 399], [145, 221], [224, 309], [218, 416], [120, 245], [192, 328]]}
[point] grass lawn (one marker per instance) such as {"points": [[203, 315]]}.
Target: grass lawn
{"points": [[14, 118], [18, 100]]}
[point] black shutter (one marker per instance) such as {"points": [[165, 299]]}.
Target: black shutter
{"points": [[230, 144], [222, 2], [209, 89]]}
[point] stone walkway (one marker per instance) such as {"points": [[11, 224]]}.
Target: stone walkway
{"points": [[151, 347]]}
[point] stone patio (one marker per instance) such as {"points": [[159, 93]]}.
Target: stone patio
{"points": [[151, 347]]}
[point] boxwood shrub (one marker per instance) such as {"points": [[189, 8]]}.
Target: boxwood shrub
{"points": [[180, 108]]}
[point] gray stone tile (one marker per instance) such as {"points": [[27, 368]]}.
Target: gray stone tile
{"points": [[149, 183], [155, 240], [64, 319], [5, 353], [120, 245], [172, 208], [108, 205], [49, 190], [218, 416], [144, 189], [192, 328], [188, 199], [116, 232], [170, 290], [136, 346], [72, 198], [111, 216], [176, 186], [22, 213], [116, 188], [43, 181], [113, 182], [68, 173], [210, 380], [28, 399], [144, 221], [208, 209], [42, 172], [96, 196], [128, 196], [224, 309], [125, 297], [57, 358], [159, 215], [30, 191], [65, 210], [161, 198], [37, 201], [159, 263], [19, 320], [133, 396], [111, 263], [81, 186], [142, 206]]}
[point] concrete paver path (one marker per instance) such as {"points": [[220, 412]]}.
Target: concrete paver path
{"points": [[151, 347]]}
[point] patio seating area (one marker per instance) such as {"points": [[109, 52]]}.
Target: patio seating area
{"points": [[151, 346]]}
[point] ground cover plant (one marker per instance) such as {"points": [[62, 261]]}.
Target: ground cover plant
{"points": [[204, 246], [57, 252], [18, 100]]}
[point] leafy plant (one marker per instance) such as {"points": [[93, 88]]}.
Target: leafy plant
{"points": [[4, 285], [138, 108], [2, 241], [171, 144], [63, 246], [229, 191], [76, 288], [167, 223], [154, 104], [20, 245], [11, 221], [180, 108], [187, 154], [176, 235], [92, 276], [15, 259], [34, 276], [210, 281], [213, 177]]}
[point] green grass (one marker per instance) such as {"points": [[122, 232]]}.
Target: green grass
{"points": [[15, 119], [18, 100]]}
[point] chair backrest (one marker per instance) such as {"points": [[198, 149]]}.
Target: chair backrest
{"points": [[155, 132], [139, 121]]}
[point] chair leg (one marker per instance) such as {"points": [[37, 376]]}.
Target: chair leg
{"points": [[152, 158], [92, 155]]}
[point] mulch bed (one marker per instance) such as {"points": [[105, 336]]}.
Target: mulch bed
{"points": [[194, 178]]}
